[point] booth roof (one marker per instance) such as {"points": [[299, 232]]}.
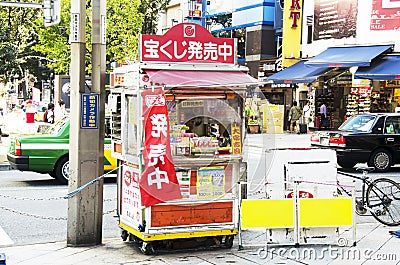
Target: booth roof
{"points": [[185, 78]]}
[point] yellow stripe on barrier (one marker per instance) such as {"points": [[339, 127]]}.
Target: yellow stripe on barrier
{"points": [[326, 212], [267, 213]]}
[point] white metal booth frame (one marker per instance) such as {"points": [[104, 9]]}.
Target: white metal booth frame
{"points": [[300, 203], [212, 104]]}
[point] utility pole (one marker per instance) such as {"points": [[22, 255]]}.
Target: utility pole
{"points": [[85, 210]]}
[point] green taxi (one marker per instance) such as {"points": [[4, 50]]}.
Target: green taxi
{"points": [[49, 152]]}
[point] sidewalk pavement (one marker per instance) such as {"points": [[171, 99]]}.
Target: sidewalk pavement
{"points": [[4, 165], [375, 245]]}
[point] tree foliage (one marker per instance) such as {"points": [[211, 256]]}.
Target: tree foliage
{"points": [[124, 23], [17, 37], [151, 10], [27, 44]]}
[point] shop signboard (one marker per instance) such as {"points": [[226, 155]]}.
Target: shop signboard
{"points": [[187, 42], [385, 15], [236, 140], [334, 19], [361, 82], [130, 210], [361, 91]]}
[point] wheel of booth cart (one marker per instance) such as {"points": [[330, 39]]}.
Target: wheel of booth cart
{"points": [[228, 243], [152, 247]]}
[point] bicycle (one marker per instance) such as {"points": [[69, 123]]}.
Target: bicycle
{"points": [[381, 198]]}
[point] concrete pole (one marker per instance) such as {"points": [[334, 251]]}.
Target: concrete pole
{"points": [[99, 87], [85, 210]]}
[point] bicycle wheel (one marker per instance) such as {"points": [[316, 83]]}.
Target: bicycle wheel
{"points": [[383, 201]]}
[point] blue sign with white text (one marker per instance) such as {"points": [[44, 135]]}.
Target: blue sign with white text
{"points": [[89, 108]]}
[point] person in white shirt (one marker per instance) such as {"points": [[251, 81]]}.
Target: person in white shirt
{"points": [[307, 113], [60, 110]]}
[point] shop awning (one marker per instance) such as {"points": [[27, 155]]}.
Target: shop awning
{"points": [[348, 56], [183, 78], [385, 68], [298, 73]]}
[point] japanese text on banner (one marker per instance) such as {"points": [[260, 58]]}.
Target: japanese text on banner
{"points": [[159, 182]]}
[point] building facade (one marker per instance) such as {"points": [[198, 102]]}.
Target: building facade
{"points": [[256, 24], [349, 57]]}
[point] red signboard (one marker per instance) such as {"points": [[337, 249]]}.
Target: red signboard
{"points": [[361, 91], [385, 15], [187, 42], [158, 182]]}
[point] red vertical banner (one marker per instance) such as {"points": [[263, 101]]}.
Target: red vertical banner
{"points": [[158, 182]]}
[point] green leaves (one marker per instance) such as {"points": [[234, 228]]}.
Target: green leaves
{"points": [[26, 44]]}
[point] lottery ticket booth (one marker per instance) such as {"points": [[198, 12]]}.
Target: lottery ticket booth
{"points": [[177, 132]]}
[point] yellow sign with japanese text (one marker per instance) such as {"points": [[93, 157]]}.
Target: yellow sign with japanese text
{"points": [[291, 34], [236, 140]]}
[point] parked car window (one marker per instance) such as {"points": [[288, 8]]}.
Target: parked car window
{"points": [[378, 127], [55, 129], [358, 123], [392, 125]]}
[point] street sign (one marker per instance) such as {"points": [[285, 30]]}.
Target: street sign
{"points": [[89, 115]]}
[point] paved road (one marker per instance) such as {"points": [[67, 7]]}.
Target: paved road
{"points": [[33, 211]]}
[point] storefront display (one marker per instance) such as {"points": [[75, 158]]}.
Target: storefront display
{"points": [[358, 101], [324, 96]]}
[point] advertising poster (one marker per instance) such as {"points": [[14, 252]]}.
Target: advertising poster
{"points": [[385, 15], [335, 19], [130, 209], [210, 182]]}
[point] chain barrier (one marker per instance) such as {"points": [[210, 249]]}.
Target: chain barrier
{"points": [[45, 217], [74, 192], [43, 199], [68, 196], [31, 199]]}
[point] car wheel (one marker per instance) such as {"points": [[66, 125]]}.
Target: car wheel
{"points": [[345, 163], [61, 170], [381, 160], [52, 174]]}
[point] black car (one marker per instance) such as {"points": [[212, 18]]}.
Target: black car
{"points": [[370, 137]]}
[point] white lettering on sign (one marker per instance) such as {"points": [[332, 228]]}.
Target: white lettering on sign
{"points": [[210, 51], [157, 151], [151, 49], [159, 122], [193, 50], [157, 177]]}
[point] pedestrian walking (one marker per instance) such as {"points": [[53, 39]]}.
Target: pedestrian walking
{"points": [[295, 114], [324, 117], [49, 114], [60, 111], [307, 113]]}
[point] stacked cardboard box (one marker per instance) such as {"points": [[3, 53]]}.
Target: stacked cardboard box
{"points": [[273, 118]]}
